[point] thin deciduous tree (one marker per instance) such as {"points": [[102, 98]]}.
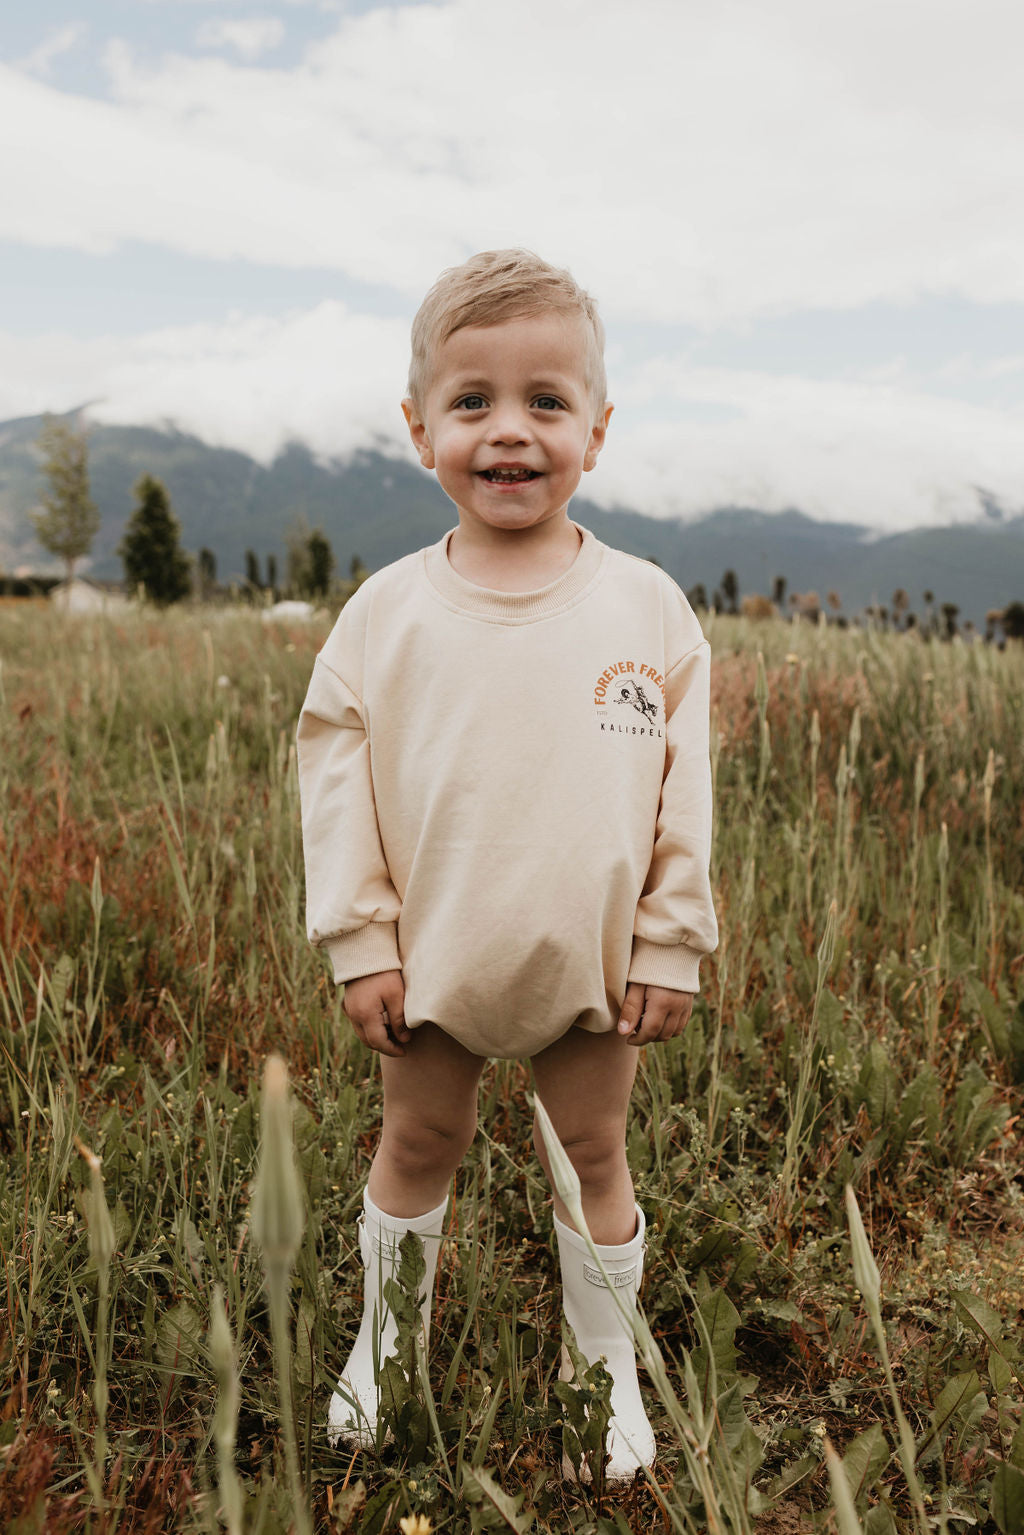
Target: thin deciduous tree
{"points": [[68, 520]]}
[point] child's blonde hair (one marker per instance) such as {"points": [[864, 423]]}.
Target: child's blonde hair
{"points": [[495, 286]]}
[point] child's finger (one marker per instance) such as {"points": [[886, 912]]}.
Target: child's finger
{"points": [[664, 1018], [392, 1001], [655, 1025], [632, 1009], [382, 1036]]}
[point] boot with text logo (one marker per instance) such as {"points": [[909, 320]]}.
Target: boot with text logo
{"points": [[355, 1405], [601, 1332]]}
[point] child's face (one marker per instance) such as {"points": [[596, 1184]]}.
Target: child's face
{"points": [[508, 420]]}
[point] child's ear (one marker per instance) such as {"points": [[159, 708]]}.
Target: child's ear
{"points": [[597, 437], [418, 433]]}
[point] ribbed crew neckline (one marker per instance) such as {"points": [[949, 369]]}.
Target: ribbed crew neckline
{"points": [[514, 607]]}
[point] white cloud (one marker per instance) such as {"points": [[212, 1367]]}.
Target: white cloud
{"points": [[57, 41], [327, 376], [683, 440], [883, 452], [701, 162], [249, 36]]}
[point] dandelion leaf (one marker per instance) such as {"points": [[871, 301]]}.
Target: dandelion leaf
{"points": [[865, 1460], [1007, 1505], [348, 1502], [980, 1316], [920, 1106], [495, 1509], [180, 1343], [879, 1084], [1017, 1449], [960, 1402], [977, 1116], [879, 1520]]}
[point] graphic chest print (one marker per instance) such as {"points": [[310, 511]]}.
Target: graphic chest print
{"points": [[626, 689]]}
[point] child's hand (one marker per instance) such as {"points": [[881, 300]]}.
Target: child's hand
{"points": [[651, 1013], [375, 1006]]}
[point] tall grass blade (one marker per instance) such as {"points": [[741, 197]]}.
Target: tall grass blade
{"points": [[278, 1223]]}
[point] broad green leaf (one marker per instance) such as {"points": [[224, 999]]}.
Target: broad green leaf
{"points": [[960, 1400], [879, 1520], [921, 1104], [999, 1372], [488, 1491], [792, 1476], [781, 1310], [865, 1460], [879, 1084], [1016, 1456], [979, 1315], [180, 1344], [1007, 1505]]}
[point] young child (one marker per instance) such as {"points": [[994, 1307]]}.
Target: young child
{"points": [[506, 807]]}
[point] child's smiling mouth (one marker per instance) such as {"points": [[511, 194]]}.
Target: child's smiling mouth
{"points": [[509, 476]]}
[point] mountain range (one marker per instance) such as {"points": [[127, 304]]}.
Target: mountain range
{"points": [[374, 508]]}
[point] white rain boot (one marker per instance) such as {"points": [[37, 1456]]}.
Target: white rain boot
{"points": [[355, 1404], [592, 1314]]}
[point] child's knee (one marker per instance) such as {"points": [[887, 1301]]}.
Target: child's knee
{"points": [[416, 1145], [597, 1154]]}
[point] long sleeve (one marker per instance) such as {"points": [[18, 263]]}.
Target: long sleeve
{"points": [[352, 906], [675, 920]]}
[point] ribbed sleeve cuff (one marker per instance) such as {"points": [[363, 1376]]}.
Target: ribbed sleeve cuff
{"points": [[367, 951], [662, 964]]}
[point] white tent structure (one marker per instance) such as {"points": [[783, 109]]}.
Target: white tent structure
{"points": [[78, 596]]}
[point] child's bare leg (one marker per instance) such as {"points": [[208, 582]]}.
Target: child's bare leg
{"points": [[584, 1081], [428, 1124]]}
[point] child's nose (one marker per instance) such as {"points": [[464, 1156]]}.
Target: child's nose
{"points": [[509, 423]]}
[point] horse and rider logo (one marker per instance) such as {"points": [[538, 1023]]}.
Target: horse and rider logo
{"points": [[632, 693]]}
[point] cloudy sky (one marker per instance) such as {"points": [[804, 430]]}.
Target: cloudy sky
{"points": [[803, 220]]}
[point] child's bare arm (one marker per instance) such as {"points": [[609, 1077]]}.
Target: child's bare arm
{"points": [[653, 1013], [375, 1007]]}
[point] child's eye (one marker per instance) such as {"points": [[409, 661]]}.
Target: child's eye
{"points": [[548, 402], [471, 402]]}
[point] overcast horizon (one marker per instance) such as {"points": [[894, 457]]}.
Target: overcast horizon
{"points": [[803, 225]]}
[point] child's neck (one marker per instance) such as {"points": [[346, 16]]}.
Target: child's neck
{"points": [[520, 561]]}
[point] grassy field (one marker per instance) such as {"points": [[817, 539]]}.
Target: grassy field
{"points": [[862, 1025]]}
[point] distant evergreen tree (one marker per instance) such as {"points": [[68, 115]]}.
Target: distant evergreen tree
{"points": [[321, 563], [929, 615], [252, 571], [272, 573], [151, 547], [697, 596], [731, 590], [950, 614], [68, 520], [207, 572], [779, 592], [1013, 620], [297, 545]]}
